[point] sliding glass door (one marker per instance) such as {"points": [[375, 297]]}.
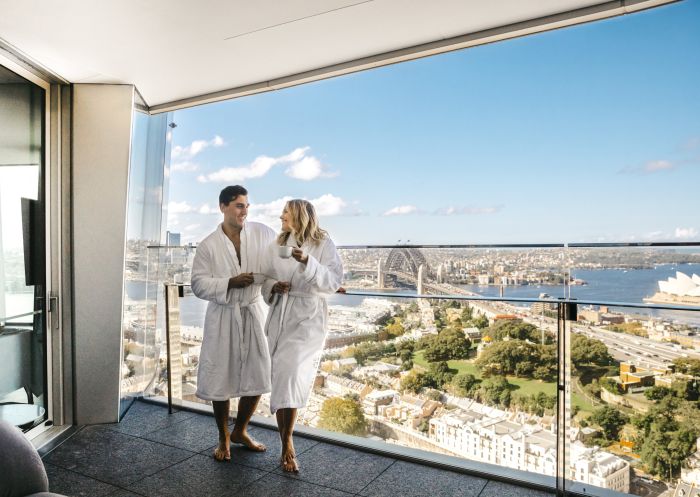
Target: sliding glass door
{"points": [[23, 353]]}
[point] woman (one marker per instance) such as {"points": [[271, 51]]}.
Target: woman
{"points": [[296, 288]]}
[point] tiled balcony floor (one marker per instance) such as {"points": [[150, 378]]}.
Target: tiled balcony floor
{"points": [[153, 453]]}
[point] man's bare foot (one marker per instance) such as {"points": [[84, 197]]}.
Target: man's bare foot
{"points": [[223, 451], [245, 440], [289, 462]]}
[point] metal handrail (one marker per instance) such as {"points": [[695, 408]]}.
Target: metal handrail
{"points": [[524, 300], [490, 245]]}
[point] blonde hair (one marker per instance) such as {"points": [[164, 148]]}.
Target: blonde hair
{"points": [[304, 223]]}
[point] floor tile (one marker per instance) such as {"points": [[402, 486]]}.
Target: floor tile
{"points": [[339, 467], [274, 485], [196, 433], [63, 481], [114, 457], [142, 418], [124, 493], [269, 459], [198, 476], [499, 489], [415, 480]]}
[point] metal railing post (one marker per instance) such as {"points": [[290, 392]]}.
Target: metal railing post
{"points": [[167, 348]]}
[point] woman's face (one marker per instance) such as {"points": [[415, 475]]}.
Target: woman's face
{"points": [[286, 218]]}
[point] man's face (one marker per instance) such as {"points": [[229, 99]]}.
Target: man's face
{"points": [[236, 211]]}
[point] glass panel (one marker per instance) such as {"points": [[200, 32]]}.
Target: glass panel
{"points": [[638, 369], [147, 182], [474, 380], [477, 379], [22, 252]]}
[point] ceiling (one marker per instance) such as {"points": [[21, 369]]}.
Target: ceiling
{"points": [[178, 52]]}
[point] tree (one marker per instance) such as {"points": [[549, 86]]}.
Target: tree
{"points": [[464, 384], [610, 421], [657, 392], [394, 328], [467, 314], [409, 345], [518, 330], [495, 391], [343, 415], [687, 365], [481, 322], [434, 394], [586, 350], [610, 385], [667, 434], [449, 344], [438, 374], [413, 382], [506, 356]]}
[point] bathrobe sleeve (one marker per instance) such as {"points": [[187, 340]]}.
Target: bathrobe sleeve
{"points": [[204, 284], [268, 269], [324, 273]]}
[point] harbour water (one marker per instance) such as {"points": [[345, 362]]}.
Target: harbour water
{"points": [[609, 285]]}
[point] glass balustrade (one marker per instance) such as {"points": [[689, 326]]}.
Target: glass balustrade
{"points": [[568, 366]]}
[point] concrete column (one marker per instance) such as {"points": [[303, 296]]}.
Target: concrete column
{"points": [[102, 123]]}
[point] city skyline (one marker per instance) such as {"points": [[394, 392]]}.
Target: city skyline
{"points": [[585, 134]]}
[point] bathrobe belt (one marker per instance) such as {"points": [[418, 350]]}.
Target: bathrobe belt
{"points": [[238, 307]]}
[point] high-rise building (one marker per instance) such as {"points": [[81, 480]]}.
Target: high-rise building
{"points": [[172, 239]]}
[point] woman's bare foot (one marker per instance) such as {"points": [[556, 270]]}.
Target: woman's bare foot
{"points": [[245, 440], [222, 452], [290, 464]]}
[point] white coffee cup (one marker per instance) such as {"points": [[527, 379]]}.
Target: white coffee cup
{"points": [[258, 278], [284, 251]]}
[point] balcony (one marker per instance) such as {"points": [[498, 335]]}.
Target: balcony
{"points": [[545, 400], [154, 453]]}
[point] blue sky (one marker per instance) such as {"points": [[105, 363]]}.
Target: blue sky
{"points": [[590, 133]]}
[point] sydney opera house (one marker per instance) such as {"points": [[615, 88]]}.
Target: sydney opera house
{"points": [[681, 289]]}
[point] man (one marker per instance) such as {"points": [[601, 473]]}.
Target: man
{"points": [[235, 360]]}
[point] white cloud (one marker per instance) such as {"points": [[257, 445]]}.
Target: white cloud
{"points": [[467, 211], [686, 233], [655, 235], [329, 205], [300, 165], [258, 168], [657, 165], [326, 205], [307, 169], [179, 207], [401, 210], [205, 209], [191, 227], [194, 148]]}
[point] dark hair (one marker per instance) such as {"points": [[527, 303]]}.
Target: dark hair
{"points": [[231, 193]]}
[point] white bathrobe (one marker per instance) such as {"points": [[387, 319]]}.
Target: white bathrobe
{"points": [[296, 325], [235, 359]]}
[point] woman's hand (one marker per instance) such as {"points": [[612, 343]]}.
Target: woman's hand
{"points": [[299, 255], [281, 287]]}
